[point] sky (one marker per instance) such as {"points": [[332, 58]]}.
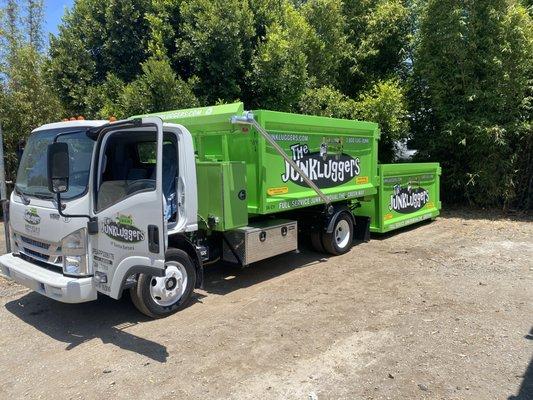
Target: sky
{"points": [[53, 11]]}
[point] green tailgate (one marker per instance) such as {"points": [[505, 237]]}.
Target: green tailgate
{"points": [[407, 193]]}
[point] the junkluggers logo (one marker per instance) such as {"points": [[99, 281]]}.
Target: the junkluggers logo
{"points": [[406, 200], [31, 216], [122, 229], [324, 171]]}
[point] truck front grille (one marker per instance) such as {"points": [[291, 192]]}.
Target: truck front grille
{"points": [[35, 243], [39, 250], [40, 256]]}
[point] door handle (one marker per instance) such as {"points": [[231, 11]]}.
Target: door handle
{"points": [[153, 238]]}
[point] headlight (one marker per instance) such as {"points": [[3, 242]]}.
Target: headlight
{"points": [[74, 249]]}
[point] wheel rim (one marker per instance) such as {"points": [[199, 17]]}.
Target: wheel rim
{"points": [[342, 233], [167, 290]]}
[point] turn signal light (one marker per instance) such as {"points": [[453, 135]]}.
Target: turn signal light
{"points": [[112, 119]]}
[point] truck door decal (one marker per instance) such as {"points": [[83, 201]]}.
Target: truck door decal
{"points": [[122, 229]]}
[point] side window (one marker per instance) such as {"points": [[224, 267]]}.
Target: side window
{"points": [[146, 152], [127, 167]]}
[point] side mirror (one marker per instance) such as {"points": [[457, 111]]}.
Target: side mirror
{"points": [[58, 167]]}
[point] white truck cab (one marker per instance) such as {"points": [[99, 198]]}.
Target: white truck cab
{"points": [[94, 208]]}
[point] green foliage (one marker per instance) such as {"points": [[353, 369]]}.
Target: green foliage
{"points": [[472, 69], [215, 44], [378, 34], [26, 101], [97, 38], [330, 49], [454, 76], [278, 74], [326, 101], [156, 89], [103, 101], [384, 103]]}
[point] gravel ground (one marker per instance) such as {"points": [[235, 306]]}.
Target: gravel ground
{"points": [[440, 311]]}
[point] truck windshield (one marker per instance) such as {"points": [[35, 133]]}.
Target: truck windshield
{"points": [[32, 177]]}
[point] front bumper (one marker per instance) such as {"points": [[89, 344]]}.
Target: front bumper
{"points": [[49, 283]]}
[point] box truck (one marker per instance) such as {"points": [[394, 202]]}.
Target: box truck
{"points": [[146, 203]]}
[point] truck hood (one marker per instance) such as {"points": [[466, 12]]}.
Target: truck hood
{"points": [[38, 224]]}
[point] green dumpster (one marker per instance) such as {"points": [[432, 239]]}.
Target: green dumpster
{"points": [[407, 194]]}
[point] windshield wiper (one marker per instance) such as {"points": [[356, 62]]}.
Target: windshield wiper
{"points": [[42, 195], [24, 198]]}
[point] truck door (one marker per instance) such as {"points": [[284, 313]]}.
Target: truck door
{"points": [[128, 203]]}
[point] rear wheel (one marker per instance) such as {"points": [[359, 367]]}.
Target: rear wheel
{"points": [[316, 241], [340, 240], [158, 297]]}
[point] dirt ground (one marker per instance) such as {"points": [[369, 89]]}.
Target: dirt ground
{"points": [[440, 311]]}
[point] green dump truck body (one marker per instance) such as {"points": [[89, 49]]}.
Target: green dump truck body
{"points": [[340, 156], [346, 168], [407, 193]]}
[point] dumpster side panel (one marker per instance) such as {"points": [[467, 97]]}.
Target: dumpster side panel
{"points": [[222, 199], [408, 193], [340, 156]]}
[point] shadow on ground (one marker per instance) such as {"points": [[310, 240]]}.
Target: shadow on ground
{"points": [[525, 392], [107, 319], [224, 278], [75, 324]]}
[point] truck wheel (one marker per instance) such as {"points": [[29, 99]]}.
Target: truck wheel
{"points": [[340, 240], [316, 241], [158, 297]]}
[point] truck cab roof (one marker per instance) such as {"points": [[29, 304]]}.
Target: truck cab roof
{"points": [[71, 124]]}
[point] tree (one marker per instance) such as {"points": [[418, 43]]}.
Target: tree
{"points": [[278, 74], [384, 103], [26, 98], [215, 45], [378, 32], [330, 49], [34, 17], [327, 101], [156, 89], [472, 68], [97, 38]]}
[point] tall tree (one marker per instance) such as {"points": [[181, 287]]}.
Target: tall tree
{"points": [[10, 23], [278, 74], [26, 98], [378, 32], [330, 48], [472, 68], [215, 45], [97, 38], [34, 18]]}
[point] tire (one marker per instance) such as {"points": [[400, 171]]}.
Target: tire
{"points": [[316, 241], [340, 240], [159, 297]]}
